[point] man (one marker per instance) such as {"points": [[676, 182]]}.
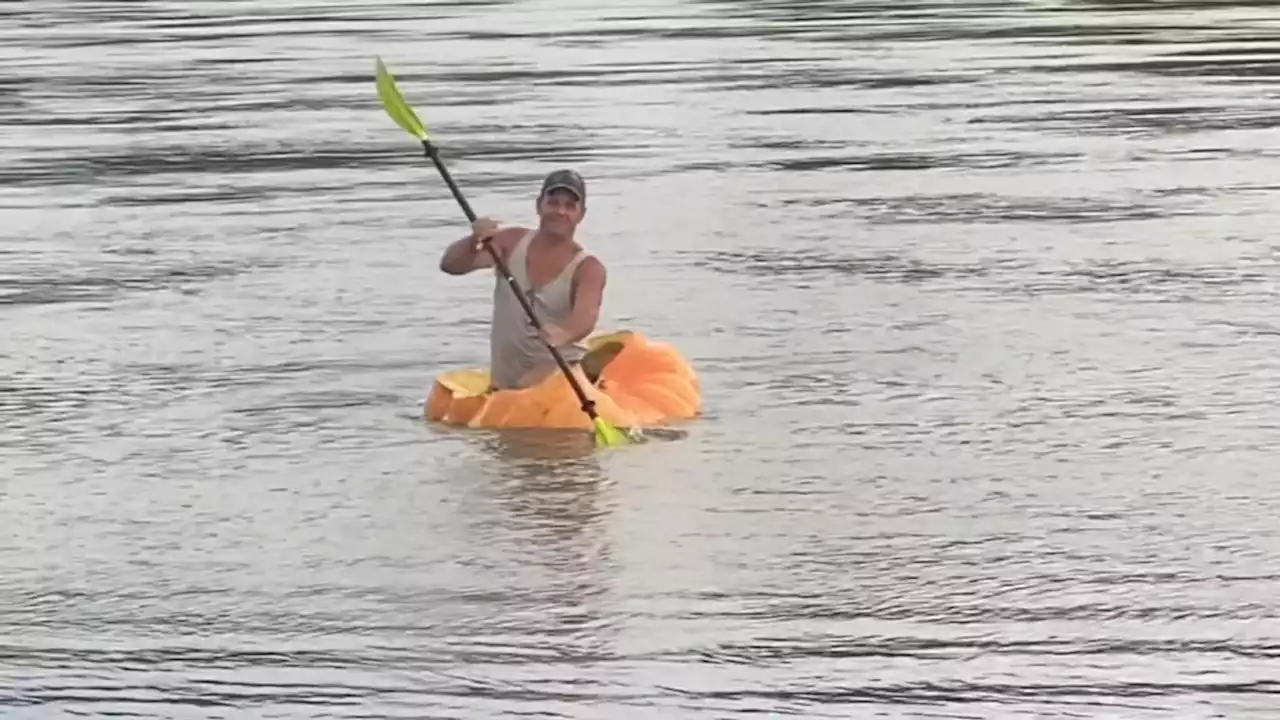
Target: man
{"points": [[563, 283]]}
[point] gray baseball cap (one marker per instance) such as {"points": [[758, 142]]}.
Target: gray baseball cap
{"points": [[567, 179]]}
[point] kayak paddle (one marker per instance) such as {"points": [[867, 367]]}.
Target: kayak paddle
{"points": [[404, 116]]}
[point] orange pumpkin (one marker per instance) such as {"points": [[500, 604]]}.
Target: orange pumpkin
{"points": [[639, 383]]}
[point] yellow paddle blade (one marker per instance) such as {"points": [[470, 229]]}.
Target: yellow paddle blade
{"points": [[393, 102], [609, 435]]}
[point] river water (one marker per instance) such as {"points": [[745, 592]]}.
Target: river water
{"points": [[982, 293]]}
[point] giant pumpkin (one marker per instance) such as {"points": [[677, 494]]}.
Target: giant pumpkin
{"points": [[638, 383]]}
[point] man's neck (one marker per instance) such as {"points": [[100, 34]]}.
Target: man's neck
{"points": [[554, 239]]}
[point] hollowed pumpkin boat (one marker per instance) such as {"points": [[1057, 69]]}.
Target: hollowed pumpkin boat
{"points": [[635, 383]]}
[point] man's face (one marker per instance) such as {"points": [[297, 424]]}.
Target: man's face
{"points": [[561, 210]]}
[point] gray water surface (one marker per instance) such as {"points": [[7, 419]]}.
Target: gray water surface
{"points": [[983, 296]]}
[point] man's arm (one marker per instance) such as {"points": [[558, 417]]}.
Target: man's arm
{"points": [[588, 295], [465, 254]]}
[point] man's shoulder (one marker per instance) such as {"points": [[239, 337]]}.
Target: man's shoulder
{"points": [[512, 233], [506, 239], [591, 268]]}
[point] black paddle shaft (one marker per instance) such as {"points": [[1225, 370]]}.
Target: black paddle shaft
{"points": [[432, 152]]}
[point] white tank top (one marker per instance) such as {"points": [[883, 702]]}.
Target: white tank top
{"points": [[514, 346]]}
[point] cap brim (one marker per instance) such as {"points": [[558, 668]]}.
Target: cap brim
{"points": [[570, 188]]}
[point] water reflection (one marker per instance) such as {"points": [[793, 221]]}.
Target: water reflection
{"points": [[520, 445], [556, 516]]}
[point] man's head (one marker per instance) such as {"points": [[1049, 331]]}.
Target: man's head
{"points": [[562, 202]]}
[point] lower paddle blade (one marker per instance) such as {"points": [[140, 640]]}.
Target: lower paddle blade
{"points": [[609, 435], [394, 103]]}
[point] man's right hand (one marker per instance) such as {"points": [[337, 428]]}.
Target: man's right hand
{"points": [[469, 252], [483, 230]]}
